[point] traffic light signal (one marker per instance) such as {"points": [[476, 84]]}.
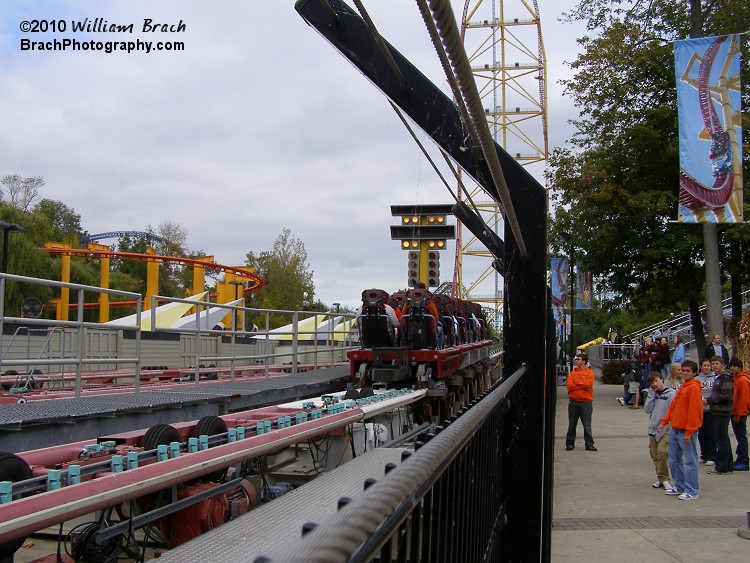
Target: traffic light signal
{"points": [[413, 269], [433, 268]]}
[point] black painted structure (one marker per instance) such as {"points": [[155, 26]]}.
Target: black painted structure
{"points": [[529, 433]]}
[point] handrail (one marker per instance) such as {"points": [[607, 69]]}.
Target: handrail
{"points": [[360, 528], [262, 349]]}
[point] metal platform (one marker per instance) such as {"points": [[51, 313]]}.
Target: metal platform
{"points": [[40, 424], [271, 527]]}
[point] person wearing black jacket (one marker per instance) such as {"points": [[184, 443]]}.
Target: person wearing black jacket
{"points": [[716, 348], [721, 402]]}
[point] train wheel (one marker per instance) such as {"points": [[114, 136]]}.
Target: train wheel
{"points": [[7, 386], [210, 426], [365, 376], [33, 383], [14, 469], [159, 435]]}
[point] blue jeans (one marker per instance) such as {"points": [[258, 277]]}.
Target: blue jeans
{"points": [[582, 410], [627, 396], [723, 447], [683, 461], [740, 433]]}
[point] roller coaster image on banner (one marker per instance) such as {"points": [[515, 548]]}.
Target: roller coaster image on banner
{"points": [[584, 296], [708, 104], [559, 274]]}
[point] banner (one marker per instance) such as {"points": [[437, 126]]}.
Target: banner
{"points": [[559, 281], [708, 103], [584, 299]]}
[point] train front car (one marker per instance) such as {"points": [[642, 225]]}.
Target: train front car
{"points": [[415, 339]]}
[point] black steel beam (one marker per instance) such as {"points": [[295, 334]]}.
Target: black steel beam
{"points": [[525, 483]]}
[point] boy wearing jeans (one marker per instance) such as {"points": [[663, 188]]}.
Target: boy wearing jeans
{"points": [[685, 415], [657, 404]]}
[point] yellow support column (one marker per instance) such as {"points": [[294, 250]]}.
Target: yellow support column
{"points": [[63, 309], [225, 293], [152, 279], [199, 275], [199, 280], [103, 280]]}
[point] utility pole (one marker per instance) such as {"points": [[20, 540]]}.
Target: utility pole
{"points": [[714, 312]]}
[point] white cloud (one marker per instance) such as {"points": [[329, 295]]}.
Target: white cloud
{"points": [[258, 125]]}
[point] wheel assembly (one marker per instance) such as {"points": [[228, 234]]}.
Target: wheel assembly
{"points": [[210, 426], [13, 469]]}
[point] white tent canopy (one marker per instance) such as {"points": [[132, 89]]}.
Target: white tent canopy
{"points": [[165, 315]]}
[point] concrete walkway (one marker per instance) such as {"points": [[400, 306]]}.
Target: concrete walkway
{"points": [[606, 510]]}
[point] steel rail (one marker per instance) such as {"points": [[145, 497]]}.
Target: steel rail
{"points": [[361, 527], [445, 22], [24, 516]]}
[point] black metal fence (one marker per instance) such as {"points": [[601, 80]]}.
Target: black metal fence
{"points": [[444, 502]]}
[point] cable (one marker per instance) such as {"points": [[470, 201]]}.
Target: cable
{"points": [[442, 14]]}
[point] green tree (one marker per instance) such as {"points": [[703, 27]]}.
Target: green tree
{"points": [[26, 257], [65, 222], [289, 280], [616, 189]]}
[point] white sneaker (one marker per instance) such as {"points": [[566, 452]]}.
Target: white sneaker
{"points": [[687, 496], [657, 485], [621, 401], [667, 486], [710, 463]]}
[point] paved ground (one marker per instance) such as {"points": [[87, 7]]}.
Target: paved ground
{"points": [[606, 510]]}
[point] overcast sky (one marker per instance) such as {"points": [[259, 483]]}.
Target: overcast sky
{"points": [[257, 125]]}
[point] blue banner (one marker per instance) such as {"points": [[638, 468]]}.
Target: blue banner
{"points": [[708, 102]]}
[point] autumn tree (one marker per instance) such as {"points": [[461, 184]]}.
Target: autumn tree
{"points": [[289, 279], [615, 189]]}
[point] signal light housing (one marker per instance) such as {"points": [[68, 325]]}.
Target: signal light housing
{"points": [[433, 268]]}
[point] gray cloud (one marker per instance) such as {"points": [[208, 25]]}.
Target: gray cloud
{"points": [[258, 125]]}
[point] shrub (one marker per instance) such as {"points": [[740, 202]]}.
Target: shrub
{"points": [[612, 372]]}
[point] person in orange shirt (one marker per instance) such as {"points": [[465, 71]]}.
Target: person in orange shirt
{"points": [[581, 403], [685, 415], [740, 410]]}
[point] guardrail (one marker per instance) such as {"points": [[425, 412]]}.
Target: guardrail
{"points": [[60, 353], [445, 502]]}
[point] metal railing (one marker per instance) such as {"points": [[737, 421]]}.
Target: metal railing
{"points": [[444, 502], [79, 327], [33, 345]]}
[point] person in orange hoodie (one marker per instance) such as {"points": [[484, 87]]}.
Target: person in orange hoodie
{"points": [[685, 415], [740, 410], [581, 402]]}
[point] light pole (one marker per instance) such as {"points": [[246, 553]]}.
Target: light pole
{"points": [[571, 274], [7, 229], [237, 284], [572, 305]]}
